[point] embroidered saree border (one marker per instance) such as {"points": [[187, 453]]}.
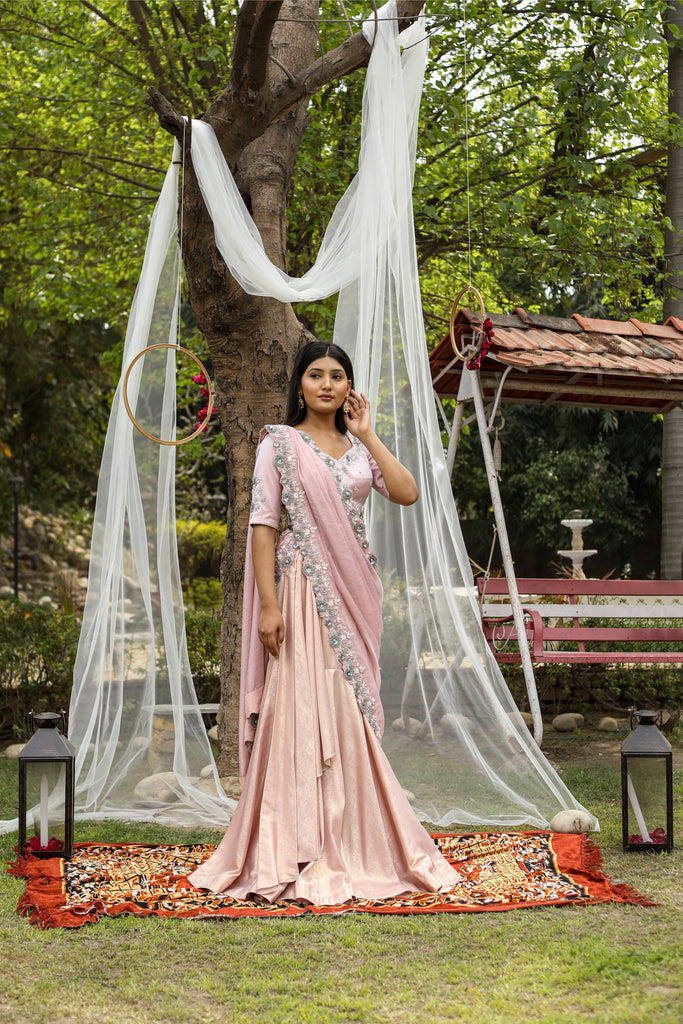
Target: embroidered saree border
{"points": [[504, 871]]}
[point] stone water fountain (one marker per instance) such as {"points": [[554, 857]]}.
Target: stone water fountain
{"points": [[578, 553]]}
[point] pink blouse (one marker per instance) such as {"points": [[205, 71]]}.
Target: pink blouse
{"points": [[356, 473]]}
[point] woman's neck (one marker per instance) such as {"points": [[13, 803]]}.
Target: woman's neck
{"points": [[321, 426]]}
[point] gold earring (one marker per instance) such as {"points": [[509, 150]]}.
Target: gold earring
{"points": [[301, 401], [346, 407]]}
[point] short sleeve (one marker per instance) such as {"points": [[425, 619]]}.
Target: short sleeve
{"points": [[266, 490], [377, 478]]}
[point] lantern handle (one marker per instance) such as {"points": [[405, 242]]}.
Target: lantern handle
{"points": [[31, 717], [63, 714]]}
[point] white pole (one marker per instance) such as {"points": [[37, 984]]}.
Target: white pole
{"points": [[635, 804], [515, 603]]}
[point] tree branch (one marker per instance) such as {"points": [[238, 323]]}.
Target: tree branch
{"points": [[169, 119], [352, 54]]}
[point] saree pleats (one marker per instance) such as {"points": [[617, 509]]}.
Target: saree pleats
{"points": [[322, 816]]}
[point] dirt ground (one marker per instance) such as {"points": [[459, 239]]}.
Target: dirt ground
{"points": [[588, 746]]}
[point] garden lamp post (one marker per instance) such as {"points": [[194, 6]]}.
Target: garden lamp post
{"points": [[647, 786], [16, 484]]}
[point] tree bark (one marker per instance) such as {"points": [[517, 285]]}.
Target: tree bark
{"points": [[672, 444]]}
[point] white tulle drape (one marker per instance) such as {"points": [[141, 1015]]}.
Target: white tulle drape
{"points": [[457, 741]]}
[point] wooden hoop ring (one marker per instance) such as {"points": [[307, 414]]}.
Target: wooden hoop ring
{"points": [[209, 404], [473, 352]]}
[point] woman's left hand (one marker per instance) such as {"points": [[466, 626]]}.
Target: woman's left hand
{"points": [[357, 419]]}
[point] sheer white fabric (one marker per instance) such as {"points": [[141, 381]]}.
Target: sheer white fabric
{"points": [[458, 742]]}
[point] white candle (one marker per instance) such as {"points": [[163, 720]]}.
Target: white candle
{"points": [[43, 811], [644, 834]]}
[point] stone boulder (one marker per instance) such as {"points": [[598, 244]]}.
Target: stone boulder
{"points": [[571, 821], [608, 724], [456, 724], [231, 786], [567, 722], [12, 752], [157, 789]]}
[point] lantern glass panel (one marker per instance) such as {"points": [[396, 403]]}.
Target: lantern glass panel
{"points": [[647, 800], [46, 802]]}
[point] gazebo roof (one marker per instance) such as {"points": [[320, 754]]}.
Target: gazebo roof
{"points": [[577, 361]]}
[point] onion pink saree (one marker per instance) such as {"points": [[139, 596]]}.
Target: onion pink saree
{"points": [[322, 816]]}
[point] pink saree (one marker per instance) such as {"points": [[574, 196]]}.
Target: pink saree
{"points": [[321, 816]]}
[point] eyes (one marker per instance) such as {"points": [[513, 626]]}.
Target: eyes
{"points": [[336, 375]]}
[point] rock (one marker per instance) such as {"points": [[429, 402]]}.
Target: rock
{"points": [[414, 725], [571, 821], [456, 724], [6, 591], [526, 716], [608, 725], [231, 786], [157, 788], [12, 752], [208, 786], [567, 722], [137, 743], [206, 772], [213, 733], [45, 600], [410, 797]]}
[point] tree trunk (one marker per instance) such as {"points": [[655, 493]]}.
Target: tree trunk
{"points": [[672, 447], [259, 119], [252, 340]]}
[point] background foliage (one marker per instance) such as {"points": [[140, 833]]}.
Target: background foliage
{"points": [[541, 172]]}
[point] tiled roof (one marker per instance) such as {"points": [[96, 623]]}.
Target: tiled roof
{"points": [[578, 361]]}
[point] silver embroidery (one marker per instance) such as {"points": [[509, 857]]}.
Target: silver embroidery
{"points": [[257, 496], [354, 510], [300, 536]]}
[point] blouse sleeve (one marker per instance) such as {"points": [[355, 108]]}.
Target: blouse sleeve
{"points": [[377, 478], [266, 490]]}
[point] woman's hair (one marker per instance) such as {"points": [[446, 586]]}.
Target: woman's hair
{"points": [[305, 356]]}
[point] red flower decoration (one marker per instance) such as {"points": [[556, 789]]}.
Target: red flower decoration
{"points": [[33, 844], [487, 331], [202, 382]]}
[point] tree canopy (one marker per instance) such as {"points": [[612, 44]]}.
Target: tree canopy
{"points": [[541, 165]]}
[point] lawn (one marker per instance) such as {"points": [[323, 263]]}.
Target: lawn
{"points": [[610, 964]]}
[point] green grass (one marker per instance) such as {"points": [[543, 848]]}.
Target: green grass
{"points": [[610, 964]]}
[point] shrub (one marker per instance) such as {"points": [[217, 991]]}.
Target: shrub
{"points": [[203, 630], [37, 653], [199, 553]]}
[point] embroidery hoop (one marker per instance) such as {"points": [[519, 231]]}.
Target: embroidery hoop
{"points": [[473, 350], [209, 405]]}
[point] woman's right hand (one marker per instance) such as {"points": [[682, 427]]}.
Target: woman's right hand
{"points": [[271, 630]]}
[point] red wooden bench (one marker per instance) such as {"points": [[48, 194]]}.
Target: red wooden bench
{"points": [[570, 611]]}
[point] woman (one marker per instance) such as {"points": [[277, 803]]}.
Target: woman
{"points": [[322, 816]]}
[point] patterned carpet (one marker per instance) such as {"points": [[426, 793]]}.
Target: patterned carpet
{"points": [[503, 871]]}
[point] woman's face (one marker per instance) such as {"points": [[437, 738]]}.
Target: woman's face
{"points": [[324, 385]]}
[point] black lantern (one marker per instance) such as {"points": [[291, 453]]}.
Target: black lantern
{"points": [[647, 807], [46, 790]]}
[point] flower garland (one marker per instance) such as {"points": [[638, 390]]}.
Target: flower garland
{"points": [[201, 381], [487, 331]]}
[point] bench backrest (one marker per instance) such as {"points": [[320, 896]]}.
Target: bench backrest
{"points": [[568, 587]]}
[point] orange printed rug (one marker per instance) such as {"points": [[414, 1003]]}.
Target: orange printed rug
{"points": [[502, 870]]}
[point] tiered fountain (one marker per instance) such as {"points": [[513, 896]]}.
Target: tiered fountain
{"points": [[578, 553]]}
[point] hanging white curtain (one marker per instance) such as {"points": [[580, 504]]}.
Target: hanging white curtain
{"points": [[459, 744]]}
